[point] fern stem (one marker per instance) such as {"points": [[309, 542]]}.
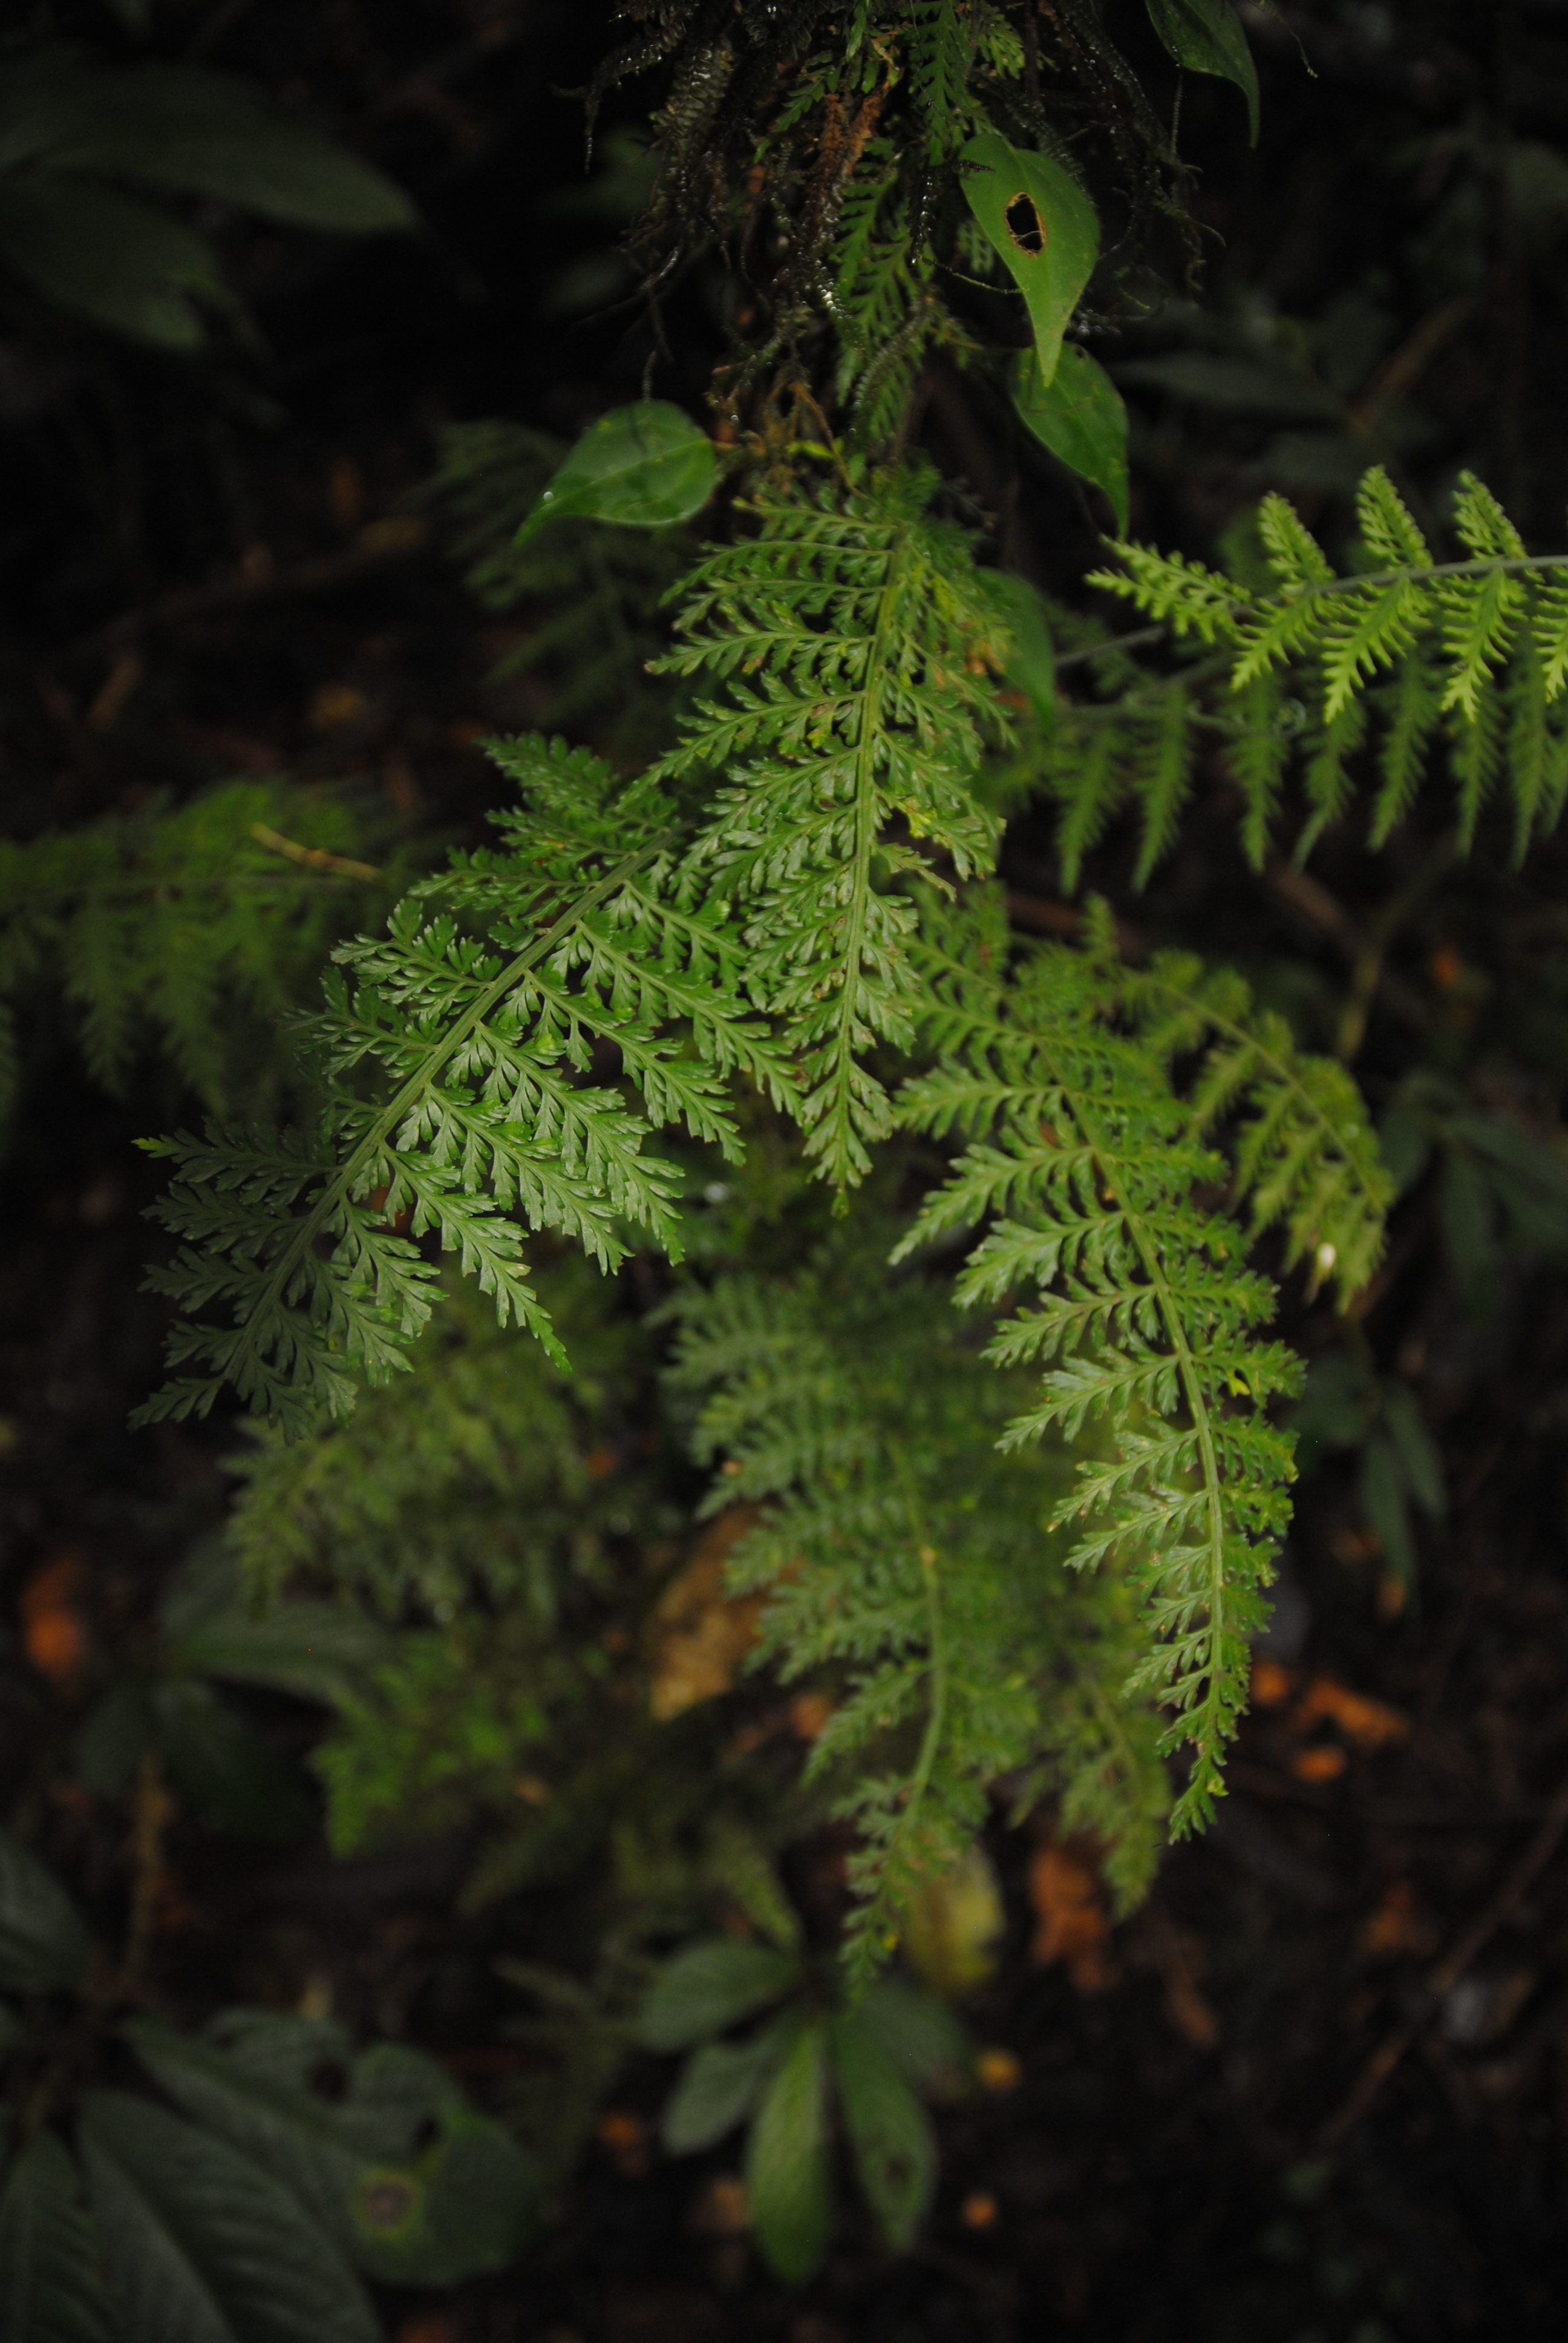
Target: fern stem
{"points": [[869, 733]]}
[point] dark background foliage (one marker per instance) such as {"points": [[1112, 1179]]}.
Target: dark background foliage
{"points": [[222, 564]]}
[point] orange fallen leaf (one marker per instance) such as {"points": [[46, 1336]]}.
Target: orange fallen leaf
{"points": [[1322, 1763], [1271, 1683], [699, 1636], [809, 1713], [1397, 1925], [1368, 1722], [1071, 1923], [54, 1632], [999, 2071], [722, 2208], [623, 2135], [979, 2209]]}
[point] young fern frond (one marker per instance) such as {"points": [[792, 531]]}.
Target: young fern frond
{"points": [[451, 1057], [911, 1571], [851, 647], [1327, 668], [1089, 1170]]}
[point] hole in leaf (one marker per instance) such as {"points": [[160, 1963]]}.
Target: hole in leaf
{"points": [[387, 2202], [1024, 224], [330, 2080], [430, 2130]]}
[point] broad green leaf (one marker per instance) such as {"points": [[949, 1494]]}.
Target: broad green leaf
{"points": [[108, 257], [1032, 661], [718, 2087], [201, 2246], [709, 1986], [224, 1771], [1080, 417], [50, 2290], [644, 467], [206, 134], [114, 1737], [43, 1942], [1420, 1460], [410, 2182], [787, 2180], [894, 2146], [1236, 386], [1383, 1495], [309, 1649], [1043, 226], [1205, 36], [919, 2033]]}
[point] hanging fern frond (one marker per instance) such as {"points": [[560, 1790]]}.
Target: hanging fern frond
{"points": [[1090, 1170], [851, 646], [911, 1573], [1332, 673], [451, 1056], [188, 929]]}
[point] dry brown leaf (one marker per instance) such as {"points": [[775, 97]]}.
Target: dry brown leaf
{"points": [[1368, 1722], [1398, 1926], [53, 1632], [1071, 1923], [699, 1636]]}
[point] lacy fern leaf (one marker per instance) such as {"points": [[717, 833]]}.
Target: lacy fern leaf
{"points": [[1088, 1170], [850, 647], [911, 1571], [451, 1056], [1333, 673]]}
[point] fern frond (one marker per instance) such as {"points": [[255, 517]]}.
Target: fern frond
{"points": [[909, 1569], [1383, 654], [184, 930], [450, 1057], [851, 648], [1142, 1305]]}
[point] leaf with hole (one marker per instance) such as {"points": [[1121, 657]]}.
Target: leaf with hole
{"points": [[202, 2246], [1043, 226], [643, 467], [1205, 36], [895, 2148], [1080, 417]]}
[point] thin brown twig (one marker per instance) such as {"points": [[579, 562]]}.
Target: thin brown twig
{"points": [[311, 858], [1389, 2053]]}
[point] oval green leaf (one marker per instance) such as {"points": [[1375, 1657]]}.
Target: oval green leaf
{"points": [[1080, 416], [1205, 36], [644, 467], [787, 2174], [889, 2131], [1043, 226], [709, 1986], [43, 1942]]}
